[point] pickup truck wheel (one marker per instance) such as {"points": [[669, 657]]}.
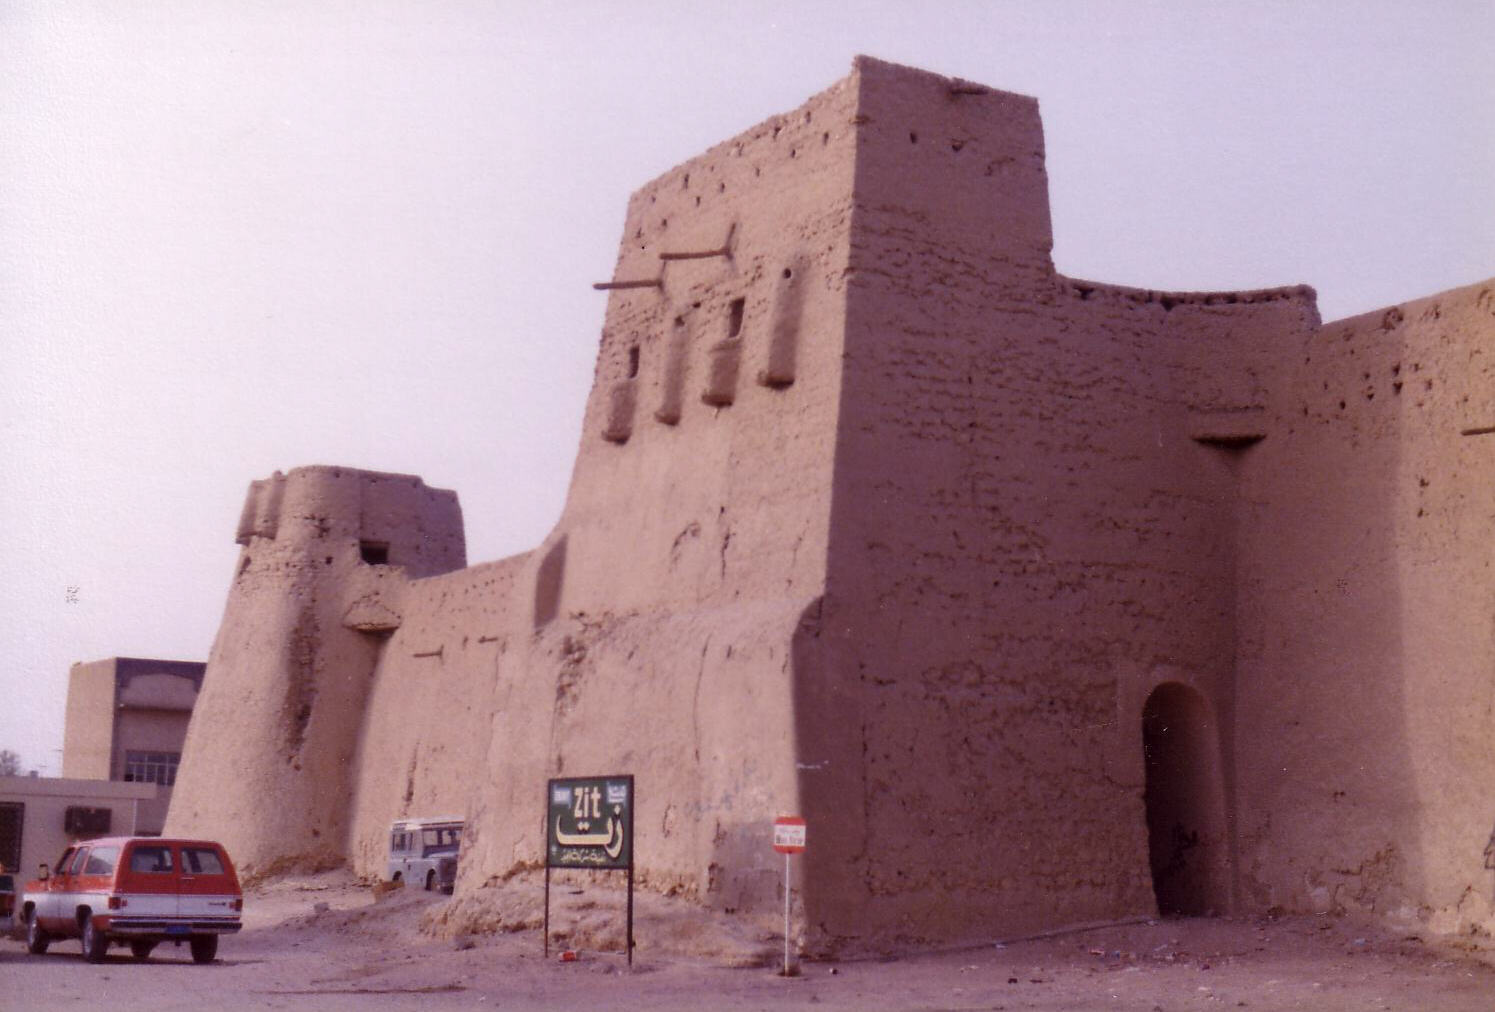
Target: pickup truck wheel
{"points": [[204, 948], [37, 940], [95, 942], [430, 880], [141, 950]]}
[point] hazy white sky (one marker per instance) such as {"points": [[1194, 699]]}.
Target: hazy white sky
{"points": [[238, 236]]}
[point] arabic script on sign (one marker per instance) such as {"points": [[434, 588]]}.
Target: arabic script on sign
{"points": [[610, 839], [789, 834]]}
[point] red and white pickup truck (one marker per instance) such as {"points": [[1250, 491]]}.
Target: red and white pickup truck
{"points": [[139, 891]]}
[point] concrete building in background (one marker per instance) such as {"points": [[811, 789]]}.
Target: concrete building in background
{"points": [[125, 724], [1043, 600], [40, 816], [126, 720]]}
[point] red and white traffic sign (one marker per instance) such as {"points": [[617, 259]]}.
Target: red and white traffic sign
{"points": [[789, 834]]}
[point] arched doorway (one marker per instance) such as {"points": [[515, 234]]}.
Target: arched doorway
{"points": [[1186, 841]]}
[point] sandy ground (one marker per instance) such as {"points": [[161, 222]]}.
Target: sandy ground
{"points": [[325, 942]]}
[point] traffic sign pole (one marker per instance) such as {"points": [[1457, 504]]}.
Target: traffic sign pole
{"points": [[786, 914], [788, 839]]}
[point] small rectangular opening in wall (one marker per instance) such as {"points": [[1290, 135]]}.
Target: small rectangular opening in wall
{"points": [[374, 553], [632, 361], [80, 821], [1231, 441], [1478, 430], [1228, 430], [734, 322]]}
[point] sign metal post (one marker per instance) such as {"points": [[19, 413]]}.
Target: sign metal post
{"points": [[589, 825], [788, 839]]}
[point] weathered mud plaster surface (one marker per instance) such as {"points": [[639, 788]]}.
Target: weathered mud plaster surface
{"points": [[293, 664], [1367, 617], [1045, 601]]}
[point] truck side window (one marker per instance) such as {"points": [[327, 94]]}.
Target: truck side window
{"points": [[150, 859], [76, 868]]}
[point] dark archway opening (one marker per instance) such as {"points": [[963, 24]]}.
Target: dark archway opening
{"points": [[1185, 805]]}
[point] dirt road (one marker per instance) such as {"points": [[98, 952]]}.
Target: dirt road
{"points": [[326, 943]]}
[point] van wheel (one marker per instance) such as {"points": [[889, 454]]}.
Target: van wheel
{"points": [[204, 948], [95, 942], [37, 940], [430, 880], [141, 950]]}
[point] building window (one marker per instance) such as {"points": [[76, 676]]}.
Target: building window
{"points": [[152, 767], [375, 553], [78, 821], [12, 817]]}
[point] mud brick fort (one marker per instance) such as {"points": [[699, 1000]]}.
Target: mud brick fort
{"points": [[1043, 600]]}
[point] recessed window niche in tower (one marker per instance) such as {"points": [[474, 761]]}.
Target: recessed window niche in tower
{"points": [[374, 553], [622, 396], [784, 326], [721, 372], [620, 401], [722, 361], [672, 382]]}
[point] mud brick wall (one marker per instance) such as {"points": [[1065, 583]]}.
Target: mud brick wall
{"points": [[1044, 600], [429, 711], [1368, 638]]}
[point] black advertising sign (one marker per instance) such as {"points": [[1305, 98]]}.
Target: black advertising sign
{"points": [[589, 823]]}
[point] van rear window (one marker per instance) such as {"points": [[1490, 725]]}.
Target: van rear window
{"points": [[101, 860], [150, 859], [201, 861]]}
